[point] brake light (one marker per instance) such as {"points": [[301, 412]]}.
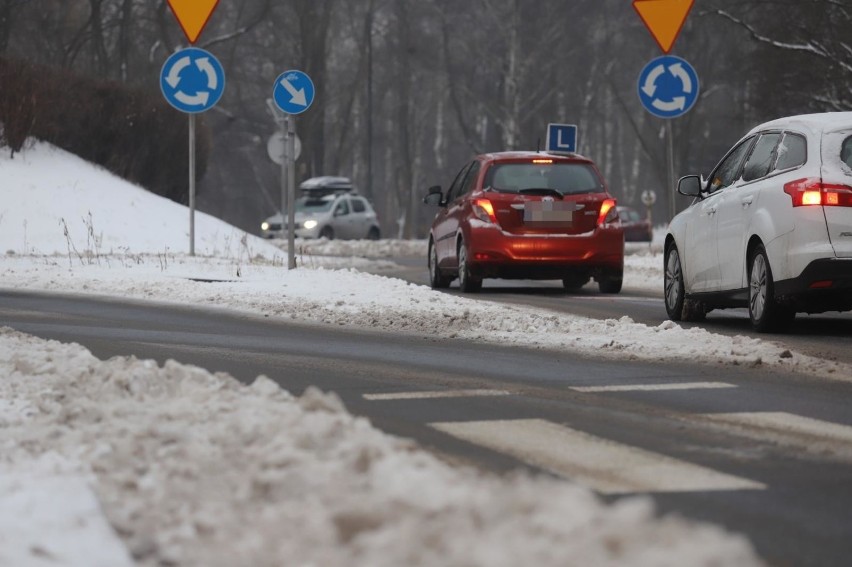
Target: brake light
{"points": [[484, 210], [608, 212], [812, 191], [542, 161]]}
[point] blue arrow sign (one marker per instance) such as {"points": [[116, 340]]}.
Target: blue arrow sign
{"points": [[668, 87], [562, 138], [192, 80], [293, 92]]}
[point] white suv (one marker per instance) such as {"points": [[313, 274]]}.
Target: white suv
{"points": [[770, 229]]}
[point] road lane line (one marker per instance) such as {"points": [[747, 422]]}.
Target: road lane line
{"points": [[606, 466], [434, 395], [653, 387]]}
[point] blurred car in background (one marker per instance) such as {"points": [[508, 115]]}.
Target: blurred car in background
{"points": [[328, 207], [526, 215], [636, 227]]}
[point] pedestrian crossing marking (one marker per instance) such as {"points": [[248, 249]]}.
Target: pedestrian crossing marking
{"points": [[434, 395], [653, 387], [606, 466]]}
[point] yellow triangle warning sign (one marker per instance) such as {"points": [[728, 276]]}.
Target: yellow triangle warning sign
{"points": [[193, 15], [664, 19]]}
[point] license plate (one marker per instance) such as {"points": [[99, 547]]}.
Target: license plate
{"points": [[548, 213]]}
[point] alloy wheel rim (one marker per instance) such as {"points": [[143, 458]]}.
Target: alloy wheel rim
{"points": [[672, 278], [758, 285]]}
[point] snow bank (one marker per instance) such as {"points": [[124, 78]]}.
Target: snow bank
{"points": [[193, 468]]}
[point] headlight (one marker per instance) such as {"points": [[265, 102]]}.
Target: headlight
{"points": [[310, 224], [264, 226]]}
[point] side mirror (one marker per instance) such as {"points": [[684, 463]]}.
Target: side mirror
{"points": [[690, 186], [434, 196]]}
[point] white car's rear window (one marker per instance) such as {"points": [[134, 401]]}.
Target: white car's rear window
{"points": [[837, 152]]}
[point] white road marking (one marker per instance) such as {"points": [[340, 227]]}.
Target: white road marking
{"points": [[806, 429], [654, 387], [606, 466], [432, 395]]}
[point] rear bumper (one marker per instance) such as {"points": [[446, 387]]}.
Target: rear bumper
{"points": [[493, 253], [824, 285]]}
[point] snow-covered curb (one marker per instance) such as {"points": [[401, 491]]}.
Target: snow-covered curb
{"points": [[351, 298], [193, 468]]}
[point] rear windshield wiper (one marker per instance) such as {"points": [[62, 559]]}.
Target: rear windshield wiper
{"points": [[541, 191]]}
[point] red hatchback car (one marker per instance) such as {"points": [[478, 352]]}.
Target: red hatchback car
{"points": [[526, 215]]}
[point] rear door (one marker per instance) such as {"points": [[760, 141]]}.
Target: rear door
{"points": [[837, 178], [735, 211]]}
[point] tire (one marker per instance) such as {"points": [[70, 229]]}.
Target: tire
{"points": [[574, 283], [327, 232], [467, 283], [436, 279], [611, 283], [373, 233], [673, 292], [766, 314]]}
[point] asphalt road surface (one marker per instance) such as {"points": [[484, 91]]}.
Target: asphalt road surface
{"points": [[826, 335], [767, 455]]}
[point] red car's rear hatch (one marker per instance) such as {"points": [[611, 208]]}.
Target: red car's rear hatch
{"points": [[544, 197]]}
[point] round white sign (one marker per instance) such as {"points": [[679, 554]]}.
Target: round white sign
{"points": [[275, 147], [649, 197]]}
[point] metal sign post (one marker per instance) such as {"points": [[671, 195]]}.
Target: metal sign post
{"points": [[192, 81], [288, 180], [293, 93], [192, 184]]}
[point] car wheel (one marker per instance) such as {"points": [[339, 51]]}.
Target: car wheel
{"points": [[673, 284], [766, 314], [611, 283], [436, 279], [373, 233], [467, 283], [327, 232], [574, 282]]}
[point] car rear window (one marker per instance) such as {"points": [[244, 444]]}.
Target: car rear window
{"points": [[567, 178], [792, 152], [358, 205]]}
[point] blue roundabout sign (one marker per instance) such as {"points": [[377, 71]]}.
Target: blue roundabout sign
{"points": [[192, 80], [668, 87]]}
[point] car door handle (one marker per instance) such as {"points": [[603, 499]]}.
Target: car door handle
{"points": [[711, 211], [747, 201]]}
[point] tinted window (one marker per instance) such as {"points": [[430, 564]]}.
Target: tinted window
{"points": [[358, 205], [792, 152], [760, 160], [846, 152], [314, 204], [455, 189], [342, 208], [470, 180], [729, 170], [567, 178]]}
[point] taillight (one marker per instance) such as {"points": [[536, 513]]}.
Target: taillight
{"points": [[812, 191], [484, 210], [608, 212]]}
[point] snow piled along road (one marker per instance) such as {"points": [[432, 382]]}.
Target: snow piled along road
{"points": [[192, 468]]}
